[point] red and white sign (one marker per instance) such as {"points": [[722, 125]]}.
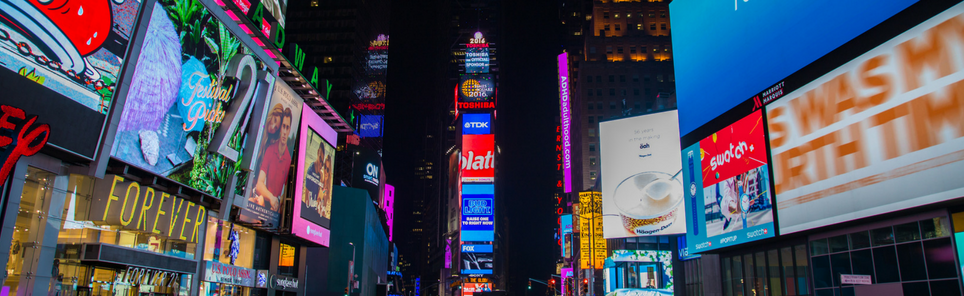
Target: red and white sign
{"points": [[478, 158], [471, 288], [733, 150]]}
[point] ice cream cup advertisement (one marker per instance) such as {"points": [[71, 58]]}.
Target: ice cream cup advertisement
{"points": [[728, 187], [641, 185]]}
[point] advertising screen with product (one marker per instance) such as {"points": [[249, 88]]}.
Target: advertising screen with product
{"points": [[886, 125], [313, 179], [476, 88], [727, 191], [642, 191], [653, 273], [478, 158], [478, 213], [268, 182], [181, 90], [64, 73], [763, 42], [477, 259]]}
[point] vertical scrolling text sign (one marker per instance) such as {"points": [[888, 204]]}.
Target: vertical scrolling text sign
{"points": [[20, 135], [563, 61]]}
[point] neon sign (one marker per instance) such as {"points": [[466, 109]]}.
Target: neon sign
{"points": [[20, 138]]}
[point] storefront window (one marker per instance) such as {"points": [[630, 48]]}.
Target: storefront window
{"points": [[287, 260], [28, 231], [774, 272], [223, 247]]}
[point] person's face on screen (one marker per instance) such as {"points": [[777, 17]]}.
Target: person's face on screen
{"points": [[285, 130]]}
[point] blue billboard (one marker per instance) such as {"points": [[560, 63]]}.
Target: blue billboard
{"points": [[476, 124], [478, 213], [762, 42], [370, 126]]}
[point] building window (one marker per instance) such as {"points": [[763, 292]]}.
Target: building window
{"points": [[590, 94], [662, 13], [622, 78], [577, 33], [624, 92], [665, 48], [598, 78], [612, 91], [659, 77], [606, 27], [619, 49], [636, 105], [635, 91], [617, 15], [656, 48], [314, 3], [629, 15], [612, 78], [599, 104], [647, 91], [592, 147], [639, 26], [652, 13], [642, 49], [646, 78], [592, 176], [591, 119], [592, 49], [588, 78], [609, 50], [612, 105], [635, 77], [599, 94], [592, 133], [632, 49], [662, 26], [640, 15], [605, 15], [592, 161], [617, 27], [652, 26]]}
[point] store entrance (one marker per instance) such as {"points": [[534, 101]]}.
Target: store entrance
{"points": [[218, 289]]}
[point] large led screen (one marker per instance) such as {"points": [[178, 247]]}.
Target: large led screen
{"points": [[719, 66], [370, 126], [478, 213], [314, 179], [63, 72], [191, 70], [880, 133], [367, 172], [477, 259], [268, 182], [478, 158], [477, 60], [642, 190], [727, 191], [476, 88], [640, 272], [476, 124]]}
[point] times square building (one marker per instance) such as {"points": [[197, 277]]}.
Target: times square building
{"points": [[149, 153]]}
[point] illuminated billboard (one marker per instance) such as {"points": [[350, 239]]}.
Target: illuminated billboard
{"points": [[728, 187], [389, 207], [763, 42], [469, 289], [476, 88], [65, 73], [477, 259], [881, 133], [370, 126], [642, 192], [476, 124], [478, 213], [565, 231], [640, 272], [314, 179], [367, 172], [592, 245], [565, 118], [477, 60], [268, 182], [478, 158], [182, 94]]}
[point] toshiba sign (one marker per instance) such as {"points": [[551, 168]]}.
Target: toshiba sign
{"points": [[478, 158]]}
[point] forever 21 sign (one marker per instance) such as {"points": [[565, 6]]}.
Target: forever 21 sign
{"points": [[133, 206]]}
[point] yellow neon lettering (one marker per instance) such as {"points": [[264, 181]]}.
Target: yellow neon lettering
{"points": [[160, 211], [187, 220], [148, 203], [137, 196], [175, 211], [111, 196], [197, 223]]}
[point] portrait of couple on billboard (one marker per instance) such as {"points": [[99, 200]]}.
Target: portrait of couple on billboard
{"points": [[274, 155], [316, 194]]}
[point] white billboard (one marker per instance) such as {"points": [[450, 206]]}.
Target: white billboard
{"points": [[642, 189], [881, 133]]}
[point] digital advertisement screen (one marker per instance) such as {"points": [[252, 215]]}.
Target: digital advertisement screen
{"points": [[642, 191], [565, 118], [476, 88], [565, 231], [366, 173], [179, 94], [314, 178], [592, 245], [269, 180], [477, 259], [389, 207], [476, 124], [469, 289], [64, 73], [478, 158], [728, 187], [885, 125], [477, 60], [717, 67], [370, 126], [478, 213], [654, 273]]}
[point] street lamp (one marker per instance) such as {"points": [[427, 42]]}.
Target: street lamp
{"points": [[351, 266]]}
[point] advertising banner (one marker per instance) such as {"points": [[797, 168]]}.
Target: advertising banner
{"points": [[129, 205], [389, 207], [268, 181], [642, 190], [478, 213], [367, 171], [182, 88], [592, 245], [62, 72], [564, 115], [313, 179], [217, 272], [476, 124], [762, 42], [477, 60], [478, 158], [655, 272], [566, 276], [728, 187], [370, 126], [477, 259], [476, 88], [880, 133], [565, 231], [469, 289]]}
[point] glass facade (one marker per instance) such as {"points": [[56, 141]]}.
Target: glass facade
{"points": [[771, 272], [919, 255], [220, 247]]}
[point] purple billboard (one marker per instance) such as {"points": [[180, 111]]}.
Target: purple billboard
{"points": [[563, 60]]}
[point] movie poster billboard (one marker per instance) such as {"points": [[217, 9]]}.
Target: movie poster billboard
{"points": [[268, 182], [182, 89], [728, 187], [314, 179], [63, 72], [642, 190]]}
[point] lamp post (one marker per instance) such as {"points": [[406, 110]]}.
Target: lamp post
{"points": [[351, 267]]}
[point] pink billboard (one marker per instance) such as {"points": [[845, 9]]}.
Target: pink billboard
{"points": [[313, 180], [389, 207], [564, 114]]}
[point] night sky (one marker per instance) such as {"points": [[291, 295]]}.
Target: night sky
{"points": [[528, 106]]}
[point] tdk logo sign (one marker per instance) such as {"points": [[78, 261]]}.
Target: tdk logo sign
{"points": [[476, 124]]}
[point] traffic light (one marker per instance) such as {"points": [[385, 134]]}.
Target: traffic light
{"points": [[530, 284], [585, 286], [552, 282], [346, 291]]}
